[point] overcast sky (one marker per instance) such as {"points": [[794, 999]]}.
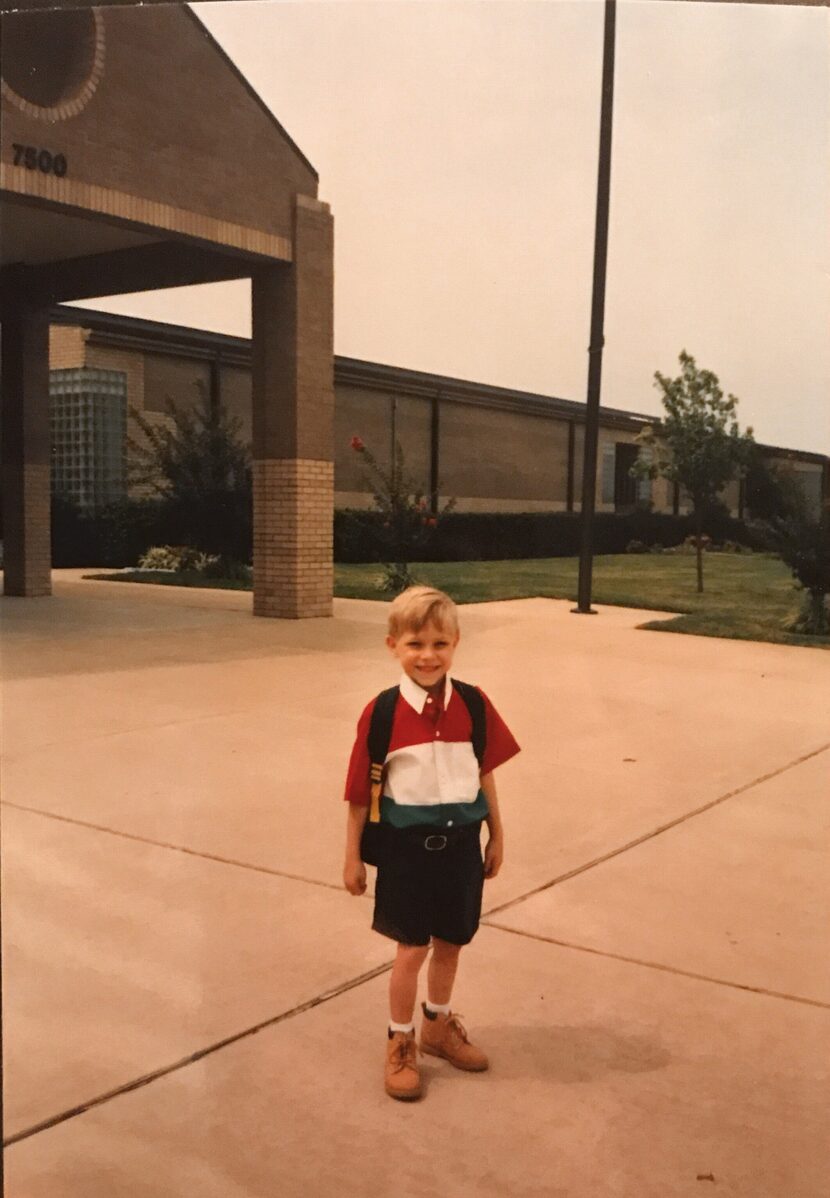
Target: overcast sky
{"points": [[456, 141]]}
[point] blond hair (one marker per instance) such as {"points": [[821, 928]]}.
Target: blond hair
{"points": [[420, 605]]}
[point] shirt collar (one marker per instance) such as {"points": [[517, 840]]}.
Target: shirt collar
{"points": [[416, 696]]}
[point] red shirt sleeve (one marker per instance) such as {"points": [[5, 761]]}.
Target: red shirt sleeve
{"points": [[358, 782], [501, 743]]}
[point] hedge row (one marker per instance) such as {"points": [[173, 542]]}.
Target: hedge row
{"points": [[119, 535], [493, 536]]}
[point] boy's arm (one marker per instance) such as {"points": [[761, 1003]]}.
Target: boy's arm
{"points": [[494, 850], [358, 793], [354, 871]]}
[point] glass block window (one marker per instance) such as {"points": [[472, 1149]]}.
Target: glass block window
{"points": [[88, 413]]}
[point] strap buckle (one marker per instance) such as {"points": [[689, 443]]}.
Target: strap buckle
{"points": [[434, 848]]}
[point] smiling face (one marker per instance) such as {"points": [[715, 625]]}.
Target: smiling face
{"points": [[425, 655]]}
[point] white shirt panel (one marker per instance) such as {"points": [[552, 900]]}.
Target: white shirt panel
{"points": [[435, 772]]}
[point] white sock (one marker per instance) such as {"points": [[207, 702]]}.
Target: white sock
{"points": [[406, 1028], [438, 1008]]}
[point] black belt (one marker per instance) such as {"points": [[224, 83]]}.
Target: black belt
{"points": [[434, 838]]}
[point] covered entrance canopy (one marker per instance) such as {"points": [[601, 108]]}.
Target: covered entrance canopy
{"points": [[135, 156]]}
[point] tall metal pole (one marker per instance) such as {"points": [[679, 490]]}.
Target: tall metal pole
{"points": [[589, 460]]}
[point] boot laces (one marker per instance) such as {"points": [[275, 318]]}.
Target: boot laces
{"points": [[406, 1055], [457, 1028]]}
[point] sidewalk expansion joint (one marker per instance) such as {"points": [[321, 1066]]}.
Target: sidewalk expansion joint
{"points": [[684, 973], [632, 844], [153, 727], [175, 848], [165, 1070]]}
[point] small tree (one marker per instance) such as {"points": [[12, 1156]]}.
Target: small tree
{"points": [[407, 519], [197, 463], [698, 444]]}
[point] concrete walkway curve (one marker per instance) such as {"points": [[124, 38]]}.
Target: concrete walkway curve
{"points": [[193, 1005]]}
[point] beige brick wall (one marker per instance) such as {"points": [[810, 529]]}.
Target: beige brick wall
{"points": [[492, 454], [293, 567], [180, 379], [379, 418], [235, 390], [229, 176], [67, 347]]}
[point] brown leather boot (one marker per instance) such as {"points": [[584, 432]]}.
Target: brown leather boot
{"points": [[445, 1036], [403, 1077]]}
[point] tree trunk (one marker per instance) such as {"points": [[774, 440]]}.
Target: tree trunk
{"points": [[699, 548]]}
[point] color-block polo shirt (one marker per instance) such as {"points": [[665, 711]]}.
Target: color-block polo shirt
{"points": [[431, 775]]}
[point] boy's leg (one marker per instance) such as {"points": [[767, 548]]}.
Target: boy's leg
{"points": [[441, 973], [403, 984], [403, 1079], [442, 1033]]}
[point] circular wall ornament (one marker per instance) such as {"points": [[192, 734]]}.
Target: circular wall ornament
{"points": [[52, 61]]}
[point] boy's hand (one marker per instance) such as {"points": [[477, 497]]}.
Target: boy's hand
{"points": [[493, 856], [354, 877]]}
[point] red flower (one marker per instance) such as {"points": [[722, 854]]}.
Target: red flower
{"points": [[431, 521], [357, 444]]}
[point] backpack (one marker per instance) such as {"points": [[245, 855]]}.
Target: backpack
{"points": [[380, 733]]}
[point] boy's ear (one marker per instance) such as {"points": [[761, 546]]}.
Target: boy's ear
{"points": [[391, 642]]}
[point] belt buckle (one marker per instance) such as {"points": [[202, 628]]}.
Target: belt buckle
{"points": [[435, 848]]}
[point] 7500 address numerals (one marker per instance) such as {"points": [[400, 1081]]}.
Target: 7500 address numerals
{"points": [[40, 160]]}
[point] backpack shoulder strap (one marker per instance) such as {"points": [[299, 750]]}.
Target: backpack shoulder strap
{"points": [[475, 705], [380, 733], [380, 724]]}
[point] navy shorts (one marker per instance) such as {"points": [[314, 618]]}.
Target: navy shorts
{"points": [[424, 889]]}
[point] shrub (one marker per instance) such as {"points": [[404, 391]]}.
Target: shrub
{"points": [[162, 557], [487, 536], [200, 469], [118, 535], [812, 617], [230, 568], [803, 543], [407, 523], [176, 558]]}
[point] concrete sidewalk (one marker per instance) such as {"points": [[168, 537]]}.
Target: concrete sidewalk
{"points": [[194, 1006]]}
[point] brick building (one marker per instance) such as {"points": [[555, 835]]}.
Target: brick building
{"points": [[490, 448], [112, 180]]}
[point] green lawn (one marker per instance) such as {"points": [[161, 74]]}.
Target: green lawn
{"points": [[747, 596]]}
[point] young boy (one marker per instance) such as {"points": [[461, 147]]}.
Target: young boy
{"points": [[435, 796]]}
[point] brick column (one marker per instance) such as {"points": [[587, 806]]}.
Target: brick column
{"points": [[26, 452], [293, 418]]}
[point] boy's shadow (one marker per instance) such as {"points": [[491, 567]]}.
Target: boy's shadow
{"points": [[568, 1054]]}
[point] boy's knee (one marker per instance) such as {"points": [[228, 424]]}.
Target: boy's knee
{"points": [[413, 955], [444, 950]]}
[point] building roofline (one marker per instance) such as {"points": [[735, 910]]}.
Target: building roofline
{"points": [[161, 337], [251, 90], [27, 6]]}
